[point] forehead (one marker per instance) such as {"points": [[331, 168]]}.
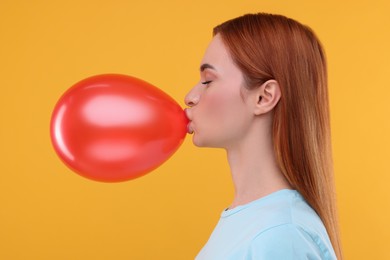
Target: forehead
{"points": [[217, 54]]}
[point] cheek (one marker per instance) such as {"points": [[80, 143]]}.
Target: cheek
{"points": [[220, 110], [209, 119], [215, 106]]}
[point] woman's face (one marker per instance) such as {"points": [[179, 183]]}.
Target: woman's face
{"points": [[217, 110]]}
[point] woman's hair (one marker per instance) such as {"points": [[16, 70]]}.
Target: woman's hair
{"points": [[268, 46]]}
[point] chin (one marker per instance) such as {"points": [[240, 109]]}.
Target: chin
{"points": [[201, 142], [198, 141]]}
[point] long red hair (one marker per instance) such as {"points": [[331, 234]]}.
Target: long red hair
{"points": [[268, 46]]}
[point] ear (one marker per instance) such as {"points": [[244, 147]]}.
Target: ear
{"points": [[267, 97]]}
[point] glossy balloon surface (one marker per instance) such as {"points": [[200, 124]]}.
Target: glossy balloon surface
{"points": [[115, 127]]}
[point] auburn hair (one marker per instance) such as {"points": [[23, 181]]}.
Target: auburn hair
{"points": [[268, 46]]}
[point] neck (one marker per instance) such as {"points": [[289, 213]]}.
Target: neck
{"points": [[254, 170]]}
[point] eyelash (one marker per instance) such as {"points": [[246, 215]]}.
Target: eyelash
{"points": [[206, 82]]}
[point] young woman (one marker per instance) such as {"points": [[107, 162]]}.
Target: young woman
{"points": [[263, 98]]}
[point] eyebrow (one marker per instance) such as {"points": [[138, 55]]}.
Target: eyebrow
{"points": [[206, 66]]}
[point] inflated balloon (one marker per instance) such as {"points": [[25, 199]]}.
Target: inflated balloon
{"points": [[114, 128]]}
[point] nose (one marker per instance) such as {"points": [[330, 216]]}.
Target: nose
{"points": [[192, 98]]}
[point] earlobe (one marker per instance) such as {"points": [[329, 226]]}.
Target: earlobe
{"points": [[268, 96]]}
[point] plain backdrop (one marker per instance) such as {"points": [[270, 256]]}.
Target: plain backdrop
{"points": [[49, 212]]}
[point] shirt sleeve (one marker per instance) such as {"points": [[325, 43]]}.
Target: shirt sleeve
{"points": [[284, 242]]}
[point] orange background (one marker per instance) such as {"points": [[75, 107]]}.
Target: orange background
{"points": [[48, 212]]}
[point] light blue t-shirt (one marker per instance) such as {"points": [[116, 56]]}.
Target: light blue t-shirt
{"points": [[278, 226]]}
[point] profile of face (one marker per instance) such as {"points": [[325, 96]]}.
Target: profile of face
{"points": [[218, 110]]}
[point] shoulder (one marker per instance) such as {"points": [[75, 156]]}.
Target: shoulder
{"points": [[287, 207], [289, 241], [291, 230]]}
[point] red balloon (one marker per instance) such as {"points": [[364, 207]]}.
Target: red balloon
{"points": [[114, 128]]}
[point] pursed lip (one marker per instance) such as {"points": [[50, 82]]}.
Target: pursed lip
{"points": [[190, 129]]}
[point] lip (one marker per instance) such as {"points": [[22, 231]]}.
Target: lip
{"points": [[190, 129]]}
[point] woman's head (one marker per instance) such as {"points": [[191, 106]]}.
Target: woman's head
{"points": [[273, 47], [224, 112], [215, 101]]}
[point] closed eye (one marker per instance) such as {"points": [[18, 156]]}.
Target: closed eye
{"points": [[206, 82]]}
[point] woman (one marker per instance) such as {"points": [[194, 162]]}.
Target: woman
{"points": [[263, 97]]}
